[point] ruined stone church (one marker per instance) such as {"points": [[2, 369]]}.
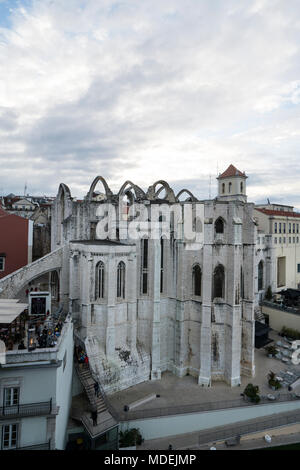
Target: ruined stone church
{"points": [[146, 305]]}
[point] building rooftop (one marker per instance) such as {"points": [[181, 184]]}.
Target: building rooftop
{"points": [[232, 171], [278, 213]]}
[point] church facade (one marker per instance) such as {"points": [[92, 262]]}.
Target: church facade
{"points": [[148, 301]]}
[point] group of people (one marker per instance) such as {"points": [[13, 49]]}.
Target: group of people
{"points": [[27, 292], [81, 355], [11, 335], [47, 337]]}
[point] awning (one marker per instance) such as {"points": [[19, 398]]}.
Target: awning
{"points": [[10, 309]]}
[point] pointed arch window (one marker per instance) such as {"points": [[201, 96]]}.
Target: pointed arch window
{"points": [[219, 225], [121, 280], [219, 282], [197, 280], [99, 294], [144, 265]]}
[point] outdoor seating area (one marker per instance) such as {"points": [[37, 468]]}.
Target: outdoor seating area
{"points": [[21, 331]]}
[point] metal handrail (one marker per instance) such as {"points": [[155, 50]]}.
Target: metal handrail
{"points": [[30, 409]]}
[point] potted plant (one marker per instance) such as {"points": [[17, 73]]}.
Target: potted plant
{"points": [[274, 383], [252, 393], [271, 351], [129, 439]]}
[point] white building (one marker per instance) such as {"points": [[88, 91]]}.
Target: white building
{"points": [[35, 393], [278, 248]]}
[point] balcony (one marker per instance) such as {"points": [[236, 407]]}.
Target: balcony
{"points": [[24, 411]]}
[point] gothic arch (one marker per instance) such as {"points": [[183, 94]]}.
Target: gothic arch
{"points": [[108, 192], [220, 225], [62, 198], [138, 192], [197, 279], [191, 198], [152, 193], [219, 282]]}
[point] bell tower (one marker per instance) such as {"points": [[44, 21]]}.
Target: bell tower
{"points": [[232, 185]]}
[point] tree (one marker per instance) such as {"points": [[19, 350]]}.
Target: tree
{"points": [[269, 294]]}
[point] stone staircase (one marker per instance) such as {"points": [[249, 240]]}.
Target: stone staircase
{"points": [[258, 315], [105, 420], [87, 381]]}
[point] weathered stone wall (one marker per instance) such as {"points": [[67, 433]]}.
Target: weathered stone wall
{"points": [[141, 336]]}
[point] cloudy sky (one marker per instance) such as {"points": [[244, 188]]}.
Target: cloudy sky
{"points": [[148, 90]]}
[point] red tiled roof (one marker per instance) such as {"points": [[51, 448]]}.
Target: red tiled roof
{"points": [[231, 171], [278, 213]]}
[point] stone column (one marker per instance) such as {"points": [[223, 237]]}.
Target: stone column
{"points": [[64, 278], [111, 304], [232, 325], [204, 378], [155, 350], [180, 346], [132, 302], [248, 322]]}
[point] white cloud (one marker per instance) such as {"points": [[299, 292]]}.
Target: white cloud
{"points": [[150, 90]]}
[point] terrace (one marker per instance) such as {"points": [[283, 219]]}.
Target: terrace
{"points": [[173, 395], [23, 332]]}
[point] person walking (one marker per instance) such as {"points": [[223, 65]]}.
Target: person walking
{"points": [[94, 416], [97, 389]]}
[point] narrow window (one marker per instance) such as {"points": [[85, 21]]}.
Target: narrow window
{"points": [[161, 265], [242, 187], [9, 436], [2, 263], [275, 227], [99, 280], [229, 187], [144, 265], [219, 282], [242, 290], [260, 275], [121, 280], [197, 278], [223, 188], [11, 396]]}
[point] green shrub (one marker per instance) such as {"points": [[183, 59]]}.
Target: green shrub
{"points": [[273, 382], [291, 333], [129, 438], [252, 392]]}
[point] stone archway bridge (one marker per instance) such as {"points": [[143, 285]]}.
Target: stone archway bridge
{"points": [[10, 285]]}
